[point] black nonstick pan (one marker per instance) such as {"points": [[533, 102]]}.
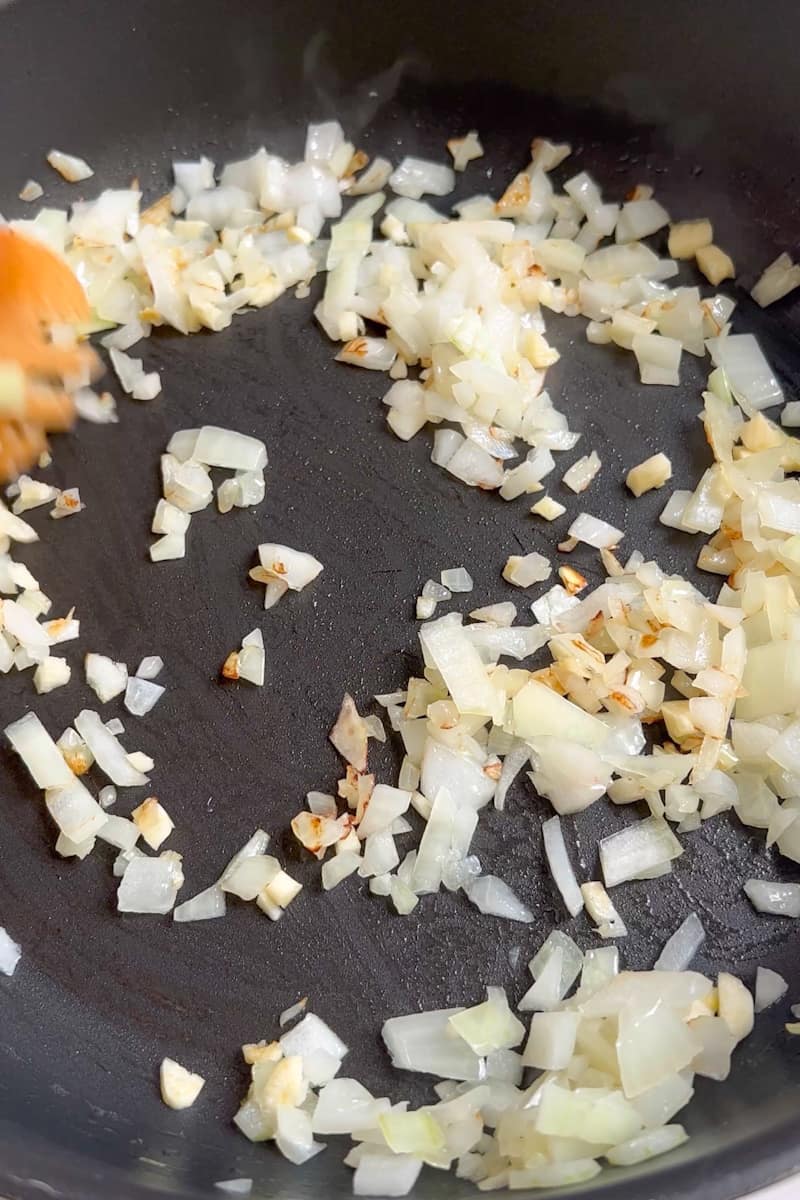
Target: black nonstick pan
{"points": [[701, 100]]}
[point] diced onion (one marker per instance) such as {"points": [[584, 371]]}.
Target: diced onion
{"points": [[770, 988], [491, 895], [778, 899], [560, 866], [10, 953], [681, 948]]}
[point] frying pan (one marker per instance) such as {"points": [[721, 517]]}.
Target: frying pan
{"points": [[700, 100]]}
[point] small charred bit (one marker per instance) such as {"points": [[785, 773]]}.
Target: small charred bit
{"points": [[572, 579], [230, 668]]}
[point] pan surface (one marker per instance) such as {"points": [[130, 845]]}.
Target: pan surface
{"points": [[709, 117]]}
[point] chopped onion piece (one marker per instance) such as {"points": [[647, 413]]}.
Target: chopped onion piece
{"points": [[416, 177], [687, 237], [494, 897], [653, 1044], [107, 796], [51, 674], [582, 472], [639, 219], [431, 590], [217, 447], [153, 822], [339, 868], [682, 947], [292, 568], [735, 1005], [105, 677], [179, 1087], [747, 371], [150, 667], [446, 646], [551, 1041], [548, 508], [715, 264], [770, 988], [39, 752], [457, 579], [560, 866], [658, 358], [150, 885], [600, 908], [639, 848], [488, 1026], [539, 712], [420, 1042], [31, 191], [503, 614], [652, 473], [69, 166], [465, 149], [310, 1037], [778, 899], [602, 1119], [349, 735], [10, 953], [403, 898], [204, 906], [525, 570], [170, 546], [645, 1146], [776, 281], [594, 532], [373, 353], [383, 1174], [372, 179], [109, 754], [31, 494], [385, 804]]}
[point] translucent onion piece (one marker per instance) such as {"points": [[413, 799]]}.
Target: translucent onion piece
{"points": [[419, 1042], [770, 988], [150, 667], [778, 899], [217, 447], [150, 885], [205, 906], [652, 1044], [39, 752], [488, 1026], [141, 695], [647, 1145], [551, 1041], [494, 897], [641, 847], [747, 371], [108, 753], [682, 947], [595, 532], [10, 953], [560, 866], [345, 1106], [386, 1174], [416, 177]]}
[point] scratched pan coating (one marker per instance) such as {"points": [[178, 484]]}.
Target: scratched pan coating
{"points": [[98, 999]]}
